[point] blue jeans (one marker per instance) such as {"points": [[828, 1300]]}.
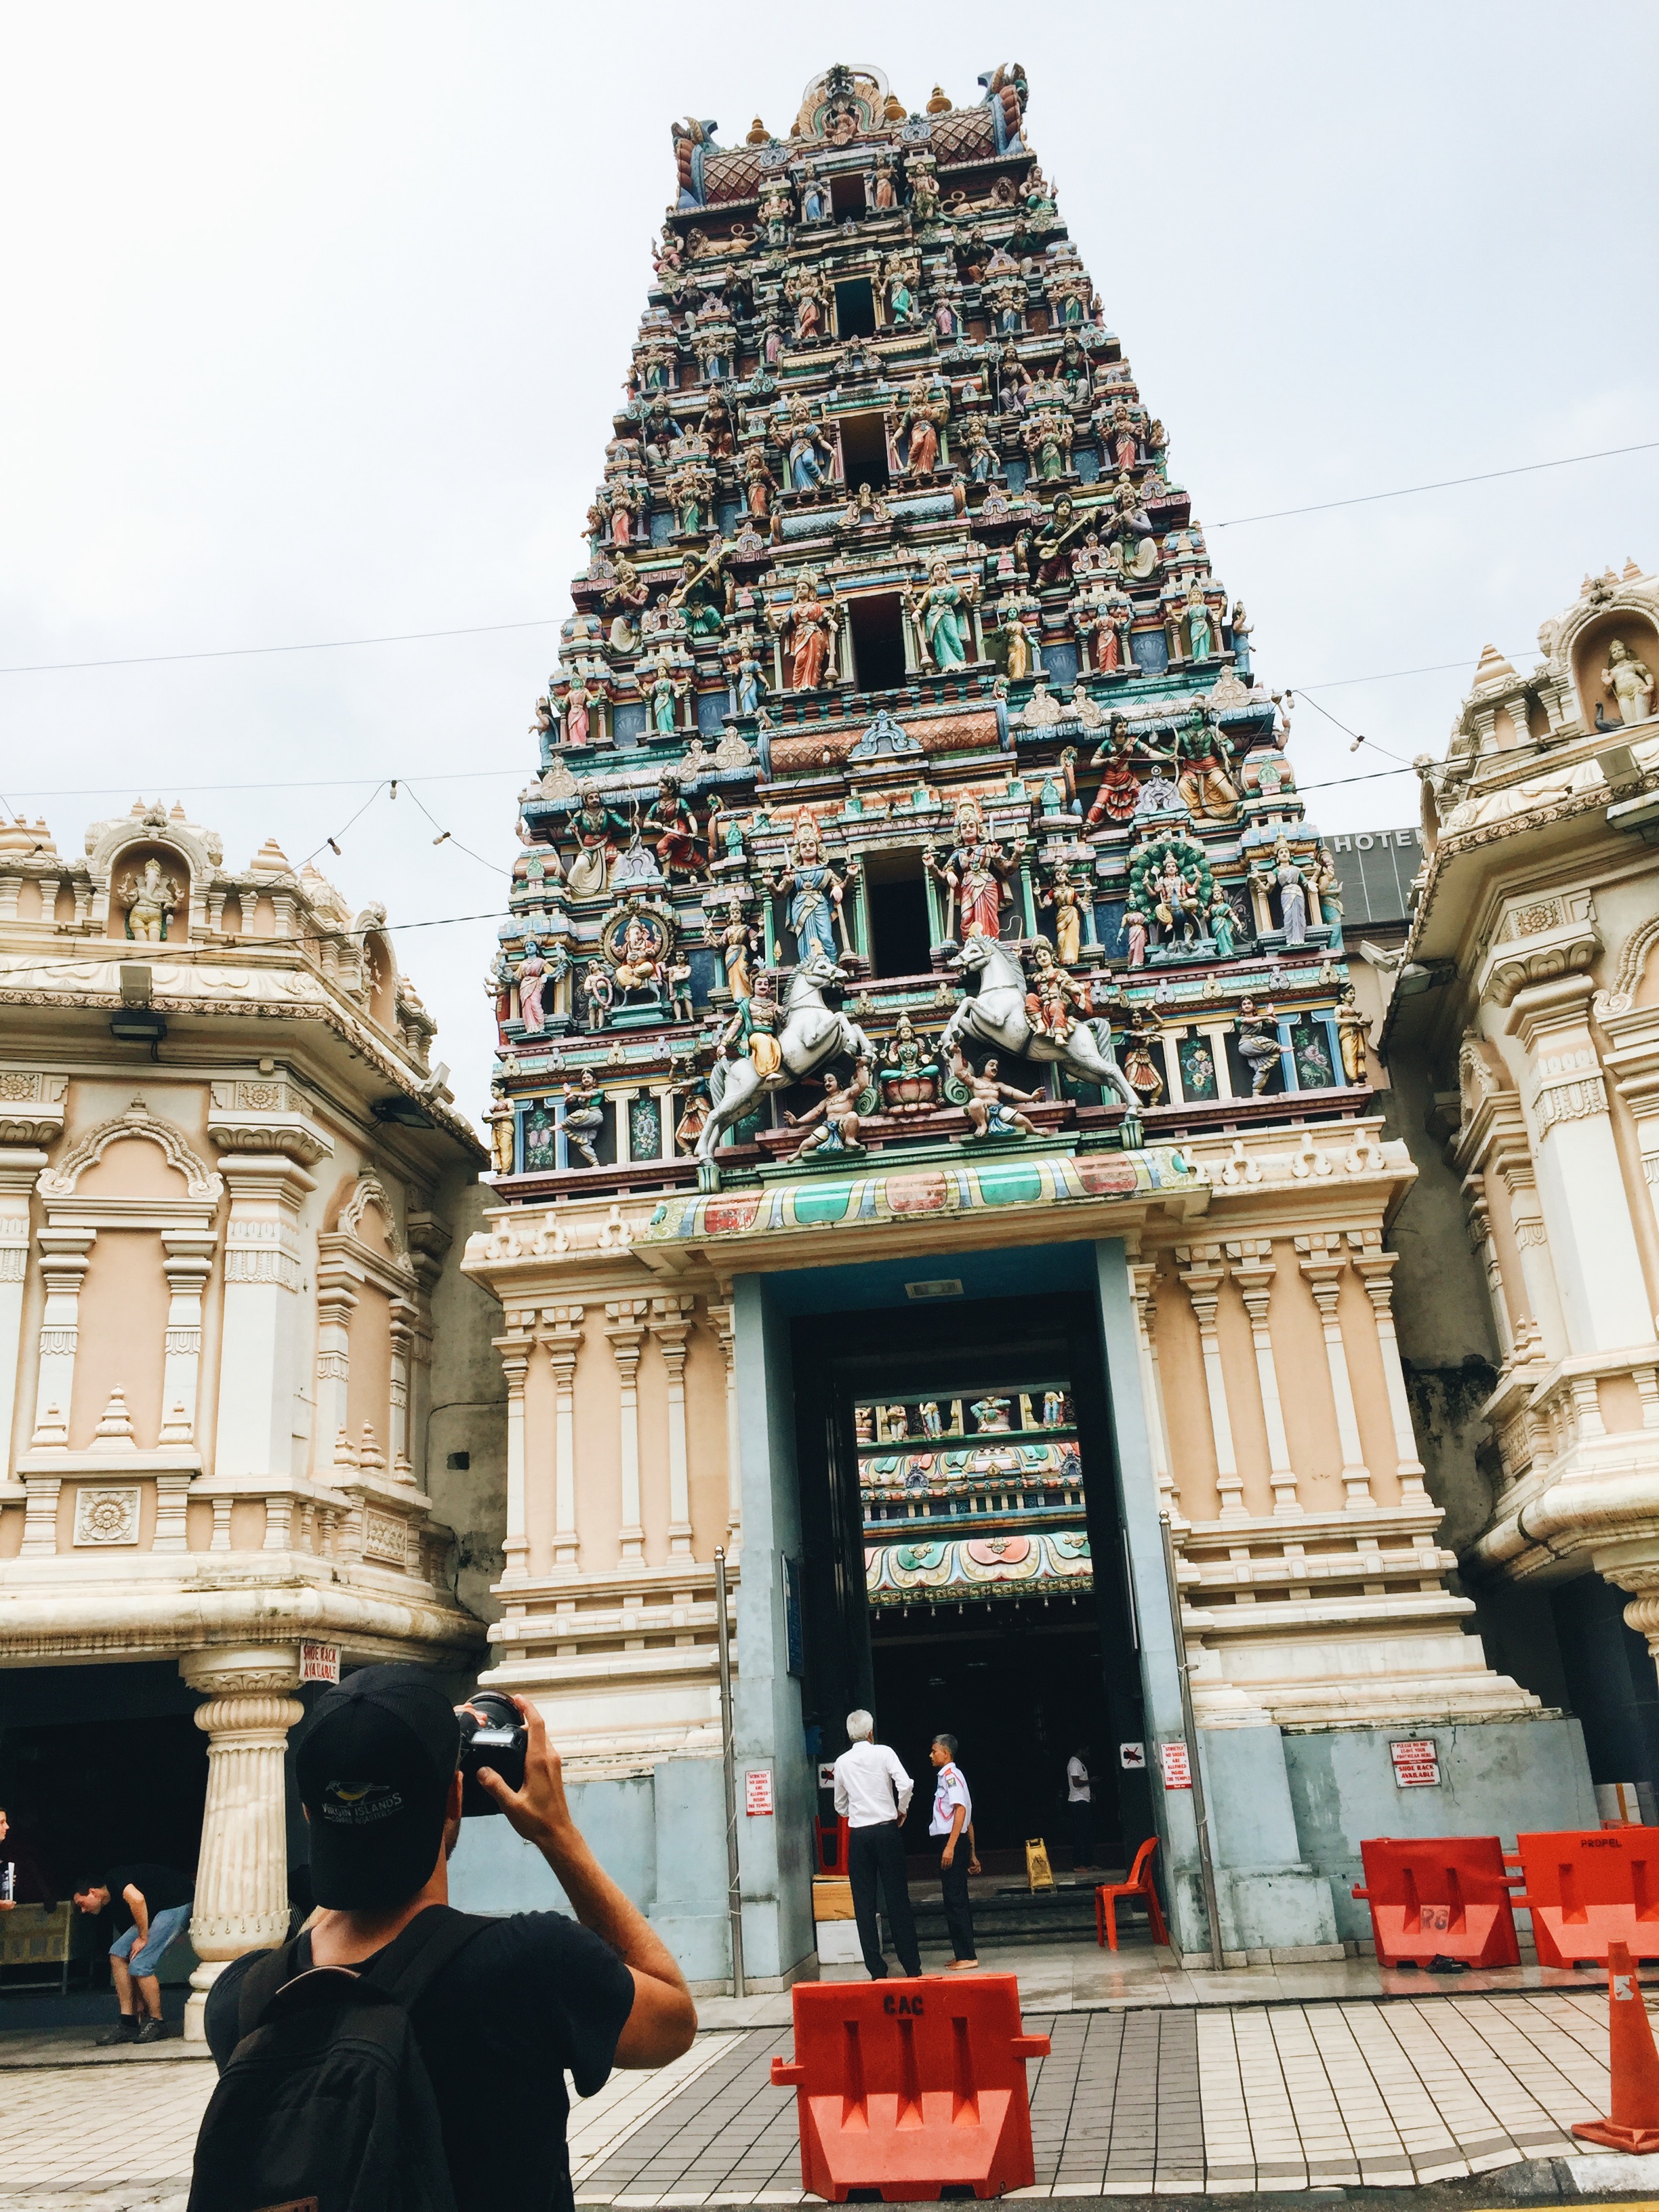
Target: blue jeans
{"points": [[163, 1927]]}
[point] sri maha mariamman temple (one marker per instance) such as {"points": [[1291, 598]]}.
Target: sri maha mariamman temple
{"points": [[933, 1128]]}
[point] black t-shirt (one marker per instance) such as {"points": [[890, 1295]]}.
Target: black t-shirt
{"points": [[159, 1886], [528, 1998]]}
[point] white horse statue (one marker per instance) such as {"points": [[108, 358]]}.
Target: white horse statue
{"points": [[997, 1015], [810, 1036]]}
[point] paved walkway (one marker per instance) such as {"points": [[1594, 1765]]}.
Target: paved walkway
{"points": [[1164, 2100]]}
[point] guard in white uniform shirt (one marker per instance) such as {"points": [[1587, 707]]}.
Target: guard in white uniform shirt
{"points": [[1079, 1807], [872, 1793], [953, 1825]]}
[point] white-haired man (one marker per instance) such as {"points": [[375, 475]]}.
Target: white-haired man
{"points": [[873, 1793]]}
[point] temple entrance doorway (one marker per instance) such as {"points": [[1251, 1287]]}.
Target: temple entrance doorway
{"points": [[962, 1566]]}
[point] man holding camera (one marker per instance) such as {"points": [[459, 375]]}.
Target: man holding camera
{"points": [[530, 1995]]}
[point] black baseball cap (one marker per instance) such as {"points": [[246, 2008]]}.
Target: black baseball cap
{"points": [[373, 1771]]}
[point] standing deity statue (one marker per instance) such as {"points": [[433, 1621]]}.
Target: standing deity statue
{"points": [[1353, 1034], [942, 612], [531, 977], [975, 872], [814, 892], [149, 898], [811, 623], [1258, 1044], [1065, 900], [597, 831], [499, 1116], [1630, 683]]}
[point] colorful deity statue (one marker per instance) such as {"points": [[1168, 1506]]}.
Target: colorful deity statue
{"points": [[914, 428], [975, 872], [1258, 1044], [679, 848], [813, 889], [992, 1109], [1020, 614], [749, 685], [1353, 1035], [941, 612], [597, 832], [1064, 899], [149, 898], [738, 942], [531, 975], [811, 623], [836, 1116], [583, 1117], [1205, 775], [1053, 1000], [1284, 876]]}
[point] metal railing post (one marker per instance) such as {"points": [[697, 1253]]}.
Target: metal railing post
{"points": [[1189, 1729], [729, 1765]]}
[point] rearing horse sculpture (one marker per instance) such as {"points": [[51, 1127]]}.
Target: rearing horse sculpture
{"points": [[810, 1036], [996, 1015]]}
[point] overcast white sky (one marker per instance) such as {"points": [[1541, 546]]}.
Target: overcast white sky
{"points": [[315, 317]]}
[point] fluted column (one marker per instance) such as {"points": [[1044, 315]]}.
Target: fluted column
{"points": [[1322, 1262], [403, 1318], [336, 1302], [515, 1543], [1143, 1283], [725, 1329], [562, 1333], [671, 1324], [626, 1321], [1203, 1271], [64, 1257], [18, 1169], [1484, 1246], [1253, 1269], [1375, 1268], [187, 1261], [241, 1873]]}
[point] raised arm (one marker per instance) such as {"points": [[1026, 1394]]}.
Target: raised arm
{"points": [[664, 2019]]}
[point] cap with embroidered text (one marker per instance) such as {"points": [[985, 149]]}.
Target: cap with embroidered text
{"points": [[374, 1769]]}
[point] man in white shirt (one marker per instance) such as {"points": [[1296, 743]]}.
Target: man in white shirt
{"points": [[1079, 1807], [953, 1824], [872, 1793]]}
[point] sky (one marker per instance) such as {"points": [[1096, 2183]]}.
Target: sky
{"points": [[316, 317]]}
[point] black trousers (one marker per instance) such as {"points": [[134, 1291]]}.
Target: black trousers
{"points": [[953, 1883], [1081, 1814], [880, 1851]]}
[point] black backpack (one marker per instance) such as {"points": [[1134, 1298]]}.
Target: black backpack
{"points": [[325, 2105]]}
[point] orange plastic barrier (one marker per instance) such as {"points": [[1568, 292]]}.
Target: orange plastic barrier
{"points": [[1138, 1890], [911, 2086], [1439, 1897], [1634, 2123], [1589, 1888]]}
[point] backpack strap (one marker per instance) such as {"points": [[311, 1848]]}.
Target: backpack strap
{"points": [[262, 1981], [419, 1953]]}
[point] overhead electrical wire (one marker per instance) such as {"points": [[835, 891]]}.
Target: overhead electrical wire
{"points": [[548, 621]]}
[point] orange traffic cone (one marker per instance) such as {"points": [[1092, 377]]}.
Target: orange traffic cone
{"points": [[1633, 2123]]}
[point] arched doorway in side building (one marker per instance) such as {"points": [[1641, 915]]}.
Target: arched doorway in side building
{"points": [[963, 1565]]}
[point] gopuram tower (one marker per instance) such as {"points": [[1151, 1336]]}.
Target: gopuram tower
{"points": [[930, 1090]]}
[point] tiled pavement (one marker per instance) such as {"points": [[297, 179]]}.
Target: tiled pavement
{"points": [[1160, 2100]]}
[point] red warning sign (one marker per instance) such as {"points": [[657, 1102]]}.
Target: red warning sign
{"points": [[1416, 1764], [757, 1791], [1177, 1770]]}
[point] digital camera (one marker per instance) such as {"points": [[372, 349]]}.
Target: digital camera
{"points": [[498, 1740]]}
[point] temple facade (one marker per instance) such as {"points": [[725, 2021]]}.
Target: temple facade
{"points": [[1523, 1034], [935, 1128], [237, 1356]]}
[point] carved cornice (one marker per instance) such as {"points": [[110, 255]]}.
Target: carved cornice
{"points": [[265, 1116]]}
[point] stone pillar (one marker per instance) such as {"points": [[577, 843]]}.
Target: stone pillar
{"points": [[515, 1543], [720, 1320], [1514, 1165], [1322, 1263], [671, 1324], [1592, 1241], [626, 1321], [241, 1875], [1203, 1271], [1484, 1246], [18, 1169], [336, 1303], [562, 1333], [403, 1338], [64, 1256], [1143, 1280], [187, 1261], [265, 1325], [1253, 1269], [1376, 1268]]}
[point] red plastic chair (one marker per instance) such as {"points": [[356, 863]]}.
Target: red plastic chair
{"points": [[1138, 1887]]}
